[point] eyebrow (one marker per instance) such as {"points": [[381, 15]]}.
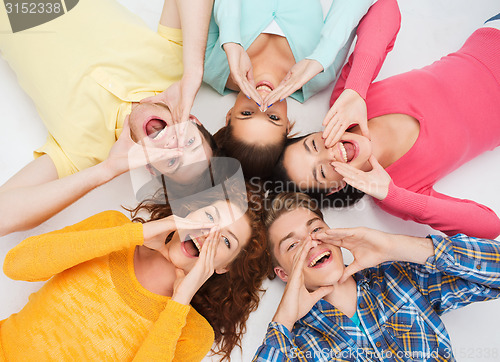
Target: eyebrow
{"points": [[292, 233], [306, 146], [268, 119], [234, 236]]}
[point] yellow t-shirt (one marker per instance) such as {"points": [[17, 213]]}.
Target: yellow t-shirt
{"points": [[94, 308], [84, 69]]}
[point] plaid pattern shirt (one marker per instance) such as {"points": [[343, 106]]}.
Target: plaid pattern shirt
{"points": [[399, 306]]}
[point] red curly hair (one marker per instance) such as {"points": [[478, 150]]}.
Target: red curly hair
{"points": [[226, 300]]}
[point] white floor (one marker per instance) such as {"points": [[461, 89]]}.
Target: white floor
{"points": [[430, 29]]}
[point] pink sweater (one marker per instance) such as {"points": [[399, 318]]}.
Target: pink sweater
{"points": [[457, 103]]}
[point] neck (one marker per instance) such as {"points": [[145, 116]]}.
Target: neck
{"points": [[153, 271], [344, 297]]}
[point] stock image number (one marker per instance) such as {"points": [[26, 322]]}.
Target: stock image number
{"points": [[33, 8]]}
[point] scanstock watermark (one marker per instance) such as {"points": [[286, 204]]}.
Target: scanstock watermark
{"points": [[27, 14]]}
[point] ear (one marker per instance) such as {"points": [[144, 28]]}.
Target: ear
{"points": [[196, 120], [336, 189], [228, 116], [281, 273], [221, 270]]}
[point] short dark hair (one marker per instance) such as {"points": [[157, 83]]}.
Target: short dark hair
{"points": [[345, 197], [256, 160]]}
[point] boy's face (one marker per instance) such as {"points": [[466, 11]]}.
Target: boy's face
{"points": [[324, 263]]}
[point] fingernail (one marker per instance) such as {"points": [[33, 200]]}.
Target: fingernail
{"points": [[269, 106], [258, 104], [248, 97]]}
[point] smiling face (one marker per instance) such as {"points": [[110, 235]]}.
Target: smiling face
{"points": [[151, 124], [184, 248], [252, 126], [324, 264], [308, 161]]}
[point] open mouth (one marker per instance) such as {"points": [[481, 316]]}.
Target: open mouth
{"points": [[156, 128], [265, 86], [192, 246], [320, 259], [348, 150]]}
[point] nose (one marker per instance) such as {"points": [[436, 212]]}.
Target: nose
{"points": [[171, 141]]}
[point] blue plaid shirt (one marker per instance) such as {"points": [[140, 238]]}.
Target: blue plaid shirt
{"points": [[399, 306]]}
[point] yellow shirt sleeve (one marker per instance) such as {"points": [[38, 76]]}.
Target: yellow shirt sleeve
{"points": [[164, 341], [40, 257]]}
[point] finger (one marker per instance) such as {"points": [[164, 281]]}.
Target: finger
{"points": [[179, 273], [346, 170], [374, 162], [152, 99], [300, 256], [321, 292], [337, 131], [365, 131], [328, 124], [329, 115], [251, 92], [351, 269]]}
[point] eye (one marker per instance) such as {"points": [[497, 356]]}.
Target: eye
{"points": [[190, 141], [226, 241], [317, 229], [209, 217], [314, 145], [292, 245], [274, 118], [246, 113], [322, 172], [172, 162]]}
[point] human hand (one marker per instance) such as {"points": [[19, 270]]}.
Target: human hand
{"points": [[179, 97], [369, 247], [242, 71], [186, 285], [348, 109], [299, 74], [126, 155], [297, 301], [374, 183], [155, 232]]}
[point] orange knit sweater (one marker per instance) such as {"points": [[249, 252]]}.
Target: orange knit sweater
{"points": [[93, 308]]}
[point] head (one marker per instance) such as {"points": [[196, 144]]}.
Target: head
{"points": [[291, 220], [242, 260], [151, 125], [255, 138], [306, 164]]}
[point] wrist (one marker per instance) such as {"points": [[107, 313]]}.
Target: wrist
{"points": [[412, 249], [284, 320], [106, 171], [181, 298]]}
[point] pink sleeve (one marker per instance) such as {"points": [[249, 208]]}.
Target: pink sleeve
{"points": [[376, 33], [444, 213]]}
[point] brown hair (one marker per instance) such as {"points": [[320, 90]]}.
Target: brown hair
{"points": [[226, 300], [256, 160], [282, 203]]}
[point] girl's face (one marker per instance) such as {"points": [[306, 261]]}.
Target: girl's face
{"points": [[185, 246], [151, 125], [255, 127], [308, 161]]}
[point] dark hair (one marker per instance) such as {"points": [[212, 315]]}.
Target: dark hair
{"points": [[226, 300], [256, 160], [342, 198], [216, 151]]}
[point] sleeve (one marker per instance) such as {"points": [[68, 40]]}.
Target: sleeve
{"points": [[441, 212], [165, 343], [227, 14], [278, 345], [342, 18], [376, 33], [40, 257], [462, 270]]}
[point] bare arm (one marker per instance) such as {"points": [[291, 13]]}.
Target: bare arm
{"points": [[35, 193]]}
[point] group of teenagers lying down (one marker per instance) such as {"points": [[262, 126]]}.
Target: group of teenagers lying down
{"points": [[179, 278]]}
